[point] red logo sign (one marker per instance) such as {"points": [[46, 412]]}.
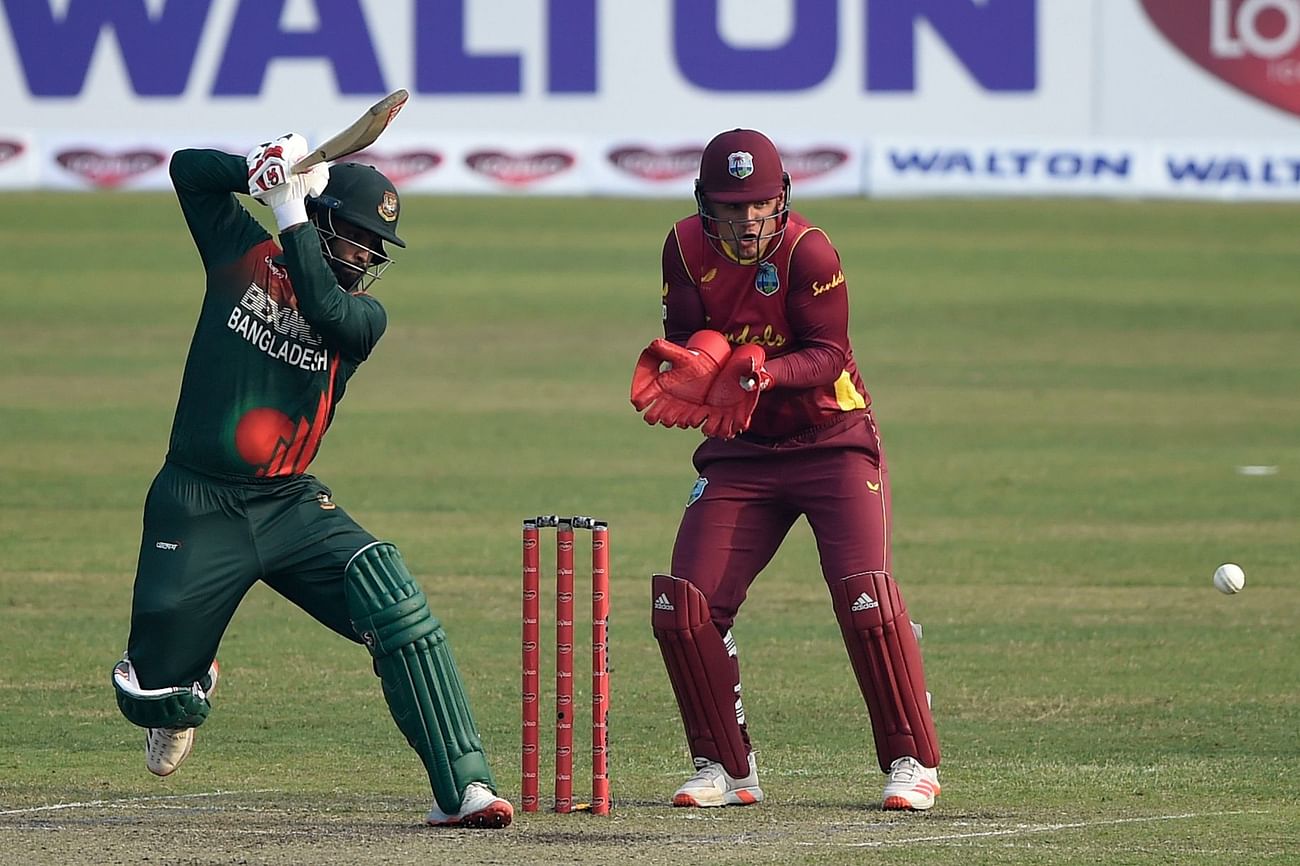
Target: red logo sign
{"points": [[805, 164], [399, 167], [649, 164], [9, 150], [1254, 45], [110, 169], [519, 169]]}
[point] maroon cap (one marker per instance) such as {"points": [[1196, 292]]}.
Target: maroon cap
{"points": [[740, 166]]}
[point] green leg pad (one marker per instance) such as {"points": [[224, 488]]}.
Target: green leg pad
{"points": [[175, 707], [419, 676]]}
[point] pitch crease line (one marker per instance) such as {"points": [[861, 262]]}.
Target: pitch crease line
{"points": [[1017, 831], [57, 806]]}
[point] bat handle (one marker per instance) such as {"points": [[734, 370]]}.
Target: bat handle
{"points": [[308, 162]]}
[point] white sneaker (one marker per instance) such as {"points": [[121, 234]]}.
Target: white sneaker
{"points": [[479, 808], [166, 748], [712, 786], [911, 786]]}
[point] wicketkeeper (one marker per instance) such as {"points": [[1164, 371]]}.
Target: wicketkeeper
{"points": [[757, 354], [281, 330]]}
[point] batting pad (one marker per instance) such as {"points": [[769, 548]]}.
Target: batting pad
{"points": [[171, 707], [419, 677], [704, 676], [886, 660]]}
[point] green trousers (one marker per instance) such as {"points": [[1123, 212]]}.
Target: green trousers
{"points": [[205, 544]]}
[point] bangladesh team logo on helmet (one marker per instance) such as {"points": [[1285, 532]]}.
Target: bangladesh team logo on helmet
{"points": [[388, 206], [740, 164]]}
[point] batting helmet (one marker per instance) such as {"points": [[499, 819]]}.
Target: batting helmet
{"points": [[739, 167], [361, 195]]}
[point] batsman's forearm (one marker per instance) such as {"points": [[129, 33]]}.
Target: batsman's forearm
{"points": [[206, 182], [350, 324], [197, 172]]}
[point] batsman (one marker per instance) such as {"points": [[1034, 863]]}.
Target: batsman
{"points": [[282, 328], [756, 354]]}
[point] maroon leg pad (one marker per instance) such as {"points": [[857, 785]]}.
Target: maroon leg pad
{"points": [[887, 663], [705, 678]]}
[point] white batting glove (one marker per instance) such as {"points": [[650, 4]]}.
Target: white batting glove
{"points": [[271, 179]]}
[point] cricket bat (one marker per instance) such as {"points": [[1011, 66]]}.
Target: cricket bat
{"points": [[361, 134]]}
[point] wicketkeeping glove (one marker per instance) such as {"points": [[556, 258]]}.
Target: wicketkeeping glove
{"points": [[271, 179], [734, 393], [674, 397]]}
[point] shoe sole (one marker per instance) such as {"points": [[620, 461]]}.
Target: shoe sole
{"points": [[494, 817], [731, 798], [902, 804]]}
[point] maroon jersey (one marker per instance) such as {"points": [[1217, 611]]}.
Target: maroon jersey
{"points": [[794, 304]]}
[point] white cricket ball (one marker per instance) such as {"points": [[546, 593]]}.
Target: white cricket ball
{"points": [[1229, 578]]}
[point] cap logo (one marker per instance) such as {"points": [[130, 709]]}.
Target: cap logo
{"points": [[388, 206], [740, 164]]}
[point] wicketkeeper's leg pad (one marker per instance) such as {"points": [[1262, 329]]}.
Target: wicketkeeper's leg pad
{"points": [[886, 659], [419, 677], [704, 675], [172, 707]]}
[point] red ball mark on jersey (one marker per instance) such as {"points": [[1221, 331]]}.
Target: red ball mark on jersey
{"points": [[261, 433]]}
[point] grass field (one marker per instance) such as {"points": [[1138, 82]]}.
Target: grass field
{"points": [[1066, 391]]}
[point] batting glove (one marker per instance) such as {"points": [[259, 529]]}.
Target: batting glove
{"points": [[271, 179]]}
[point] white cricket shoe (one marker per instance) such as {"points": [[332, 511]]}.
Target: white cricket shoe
{"points": [[166, 748], [479, 809], [713, 786], [911, 786]]}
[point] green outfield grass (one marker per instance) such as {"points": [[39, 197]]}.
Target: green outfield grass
{"points": [[1066, 391]]}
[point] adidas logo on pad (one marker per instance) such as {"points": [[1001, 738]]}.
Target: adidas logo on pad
{"points": [[864, 602], [662, 602]]}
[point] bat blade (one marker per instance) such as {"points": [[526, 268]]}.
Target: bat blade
{"points": [[359, 135]]}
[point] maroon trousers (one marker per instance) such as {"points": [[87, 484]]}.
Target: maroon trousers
{"points": [[749, 502], [745, 501]]}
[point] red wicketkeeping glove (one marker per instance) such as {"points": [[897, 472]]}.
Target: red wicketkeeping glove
{"points": [[734, 393], [675, 397]]}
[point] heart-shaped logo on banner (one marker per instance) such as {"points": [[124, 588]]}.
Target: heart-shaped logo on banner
{"points": [[649, 164], [9, 150], [399, 167], [1254, 45], [804, 164], [110, 169], [519, 169]]}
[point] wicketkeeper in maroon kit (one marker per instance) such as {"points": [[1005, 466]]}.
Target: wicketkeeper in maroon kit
{"points": [[757, 354], [281, 331]]}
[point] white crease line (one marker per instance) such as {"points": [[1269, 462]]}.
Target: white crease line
{"points": [[1017, 831], [59, 806]]}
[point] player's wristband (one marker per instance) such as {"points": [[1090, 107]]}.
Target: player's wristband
{"points": [[291, 213]]}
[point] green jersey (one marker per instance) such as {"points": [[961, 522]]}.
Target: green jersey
{"points": [[276, 340]]}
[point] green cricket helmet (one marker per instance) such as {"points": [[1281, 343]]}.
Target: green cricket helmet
{"points": [[361, 196]]}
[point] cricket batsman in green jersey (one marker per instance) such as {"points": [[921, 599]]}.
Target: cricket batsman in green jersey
{"points": [[281, 330]]}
